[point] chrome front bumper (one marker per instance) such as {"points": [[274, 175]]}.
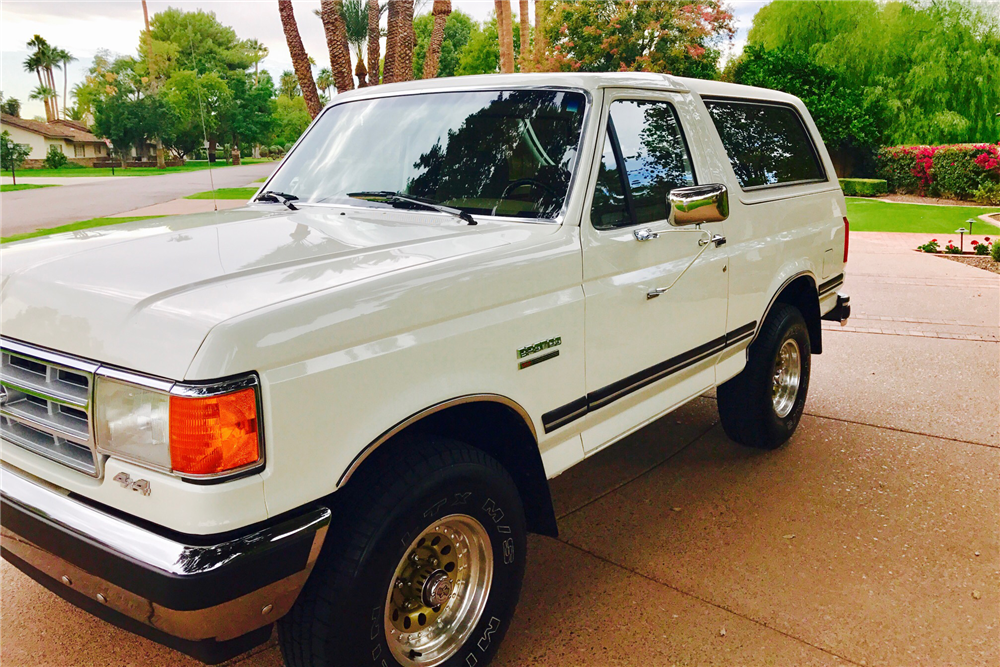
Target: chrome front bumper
{"points": [[211, 598]]}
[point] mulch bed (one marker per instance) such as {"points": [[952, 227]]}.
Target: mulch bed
{"points": [[938, 201], [984, 262]]}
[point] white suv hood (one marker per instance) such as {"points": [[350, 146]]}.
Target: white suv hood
{"points": [[144, 295]]}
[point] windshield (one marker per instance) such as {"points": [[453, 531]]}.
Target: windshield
{"points": [[505, 153]]}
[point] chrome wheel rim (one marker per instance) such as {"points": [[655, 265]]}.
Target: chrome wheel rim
{"points": [[786, 379], [438, 592]]}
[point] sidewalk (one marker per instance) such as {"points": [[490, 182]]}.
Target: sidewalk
{"points": [[182, 207], [58, 180]]}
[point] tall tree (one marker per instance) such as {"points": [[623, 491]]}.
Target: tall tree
{"points": [[458, 29], [525, 55], [197, 40], [331, 13], [399, 42], [258, 52], [505, 33], [441, 11], [374, 36], [41, 62], [43, 94], [65, 58], [541, 46], [936, 65], [391, 42], [673, 36], [161, 161], [355, 14], [288, 85], [324, 81], [300, 59]]}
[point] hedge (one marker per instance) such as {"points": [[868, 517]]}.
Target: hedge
{"points": [[863, 187], [958, 171]]}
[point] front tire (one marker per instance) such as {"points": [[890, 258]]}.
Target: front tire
{"points": [[761, 407], [425, 572]]}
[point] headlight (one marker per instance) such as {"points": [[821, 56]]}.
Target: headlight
{"points": [[133, 422], [191, 430]]}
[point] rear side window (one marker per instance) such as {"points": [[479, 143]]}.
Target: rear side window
{"points": [[768, 144]]}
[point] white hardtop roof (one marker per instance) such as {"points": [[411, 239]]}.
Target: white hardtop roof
{"points": [[586, 81]]}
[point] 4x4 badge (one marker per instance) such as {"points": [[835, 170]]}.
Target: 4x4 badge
{"points": [[139, 485]]}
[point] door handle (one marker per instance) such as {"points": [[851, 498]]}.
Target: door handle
{"points": [[645, 234], [716, 239]]}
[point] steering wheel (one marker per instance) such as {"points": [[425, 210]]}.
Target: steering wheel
{"points": [[533, 182]]}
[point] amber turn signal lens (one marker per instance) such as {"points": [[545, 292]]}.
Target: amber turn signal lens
{"points": [[213, 434]]}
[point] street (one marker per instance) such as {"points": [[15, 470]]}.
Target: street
{"points": [[28, 210], [872, 537]]}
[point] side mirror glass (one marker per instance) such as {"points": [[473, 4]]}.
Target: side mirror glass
{"points": [[697, 204]]}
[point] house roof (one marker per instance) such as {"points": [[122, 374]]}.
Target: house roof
{"points": [[60, 129]]}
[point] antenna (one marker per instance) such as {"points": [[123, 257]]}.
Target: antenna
{"points": [[204, 129]]}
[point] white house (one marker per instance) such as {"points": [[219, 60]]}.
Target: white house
{"points": [[72, 138]]}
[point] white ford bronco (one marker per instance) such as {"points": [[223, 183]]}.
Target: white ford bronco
{"points": [[337, 408]]}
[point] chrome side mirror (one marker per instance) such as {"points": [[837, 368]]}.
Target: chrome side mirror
{"points": [[697, 204]]}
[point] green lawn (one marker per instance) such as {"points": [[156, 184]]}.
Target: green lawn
{"points": [[75, 226], [225, 193], [22, 186], [872, 215], [76, 172]]}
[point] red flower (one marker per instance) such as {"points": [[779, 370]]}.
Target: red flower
{"points": [[933, 240], [975, 243], [987, 238]]}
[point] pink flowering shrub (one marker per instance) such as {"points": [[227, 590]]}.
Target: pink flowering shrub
{"points": [[955, 171]]}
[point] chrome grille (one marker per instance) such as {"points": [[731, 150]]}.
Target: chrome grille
{"points": [[47, 405]]}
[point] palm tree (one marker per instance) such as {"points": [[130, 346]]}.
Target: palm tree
{"points": [[288, 84], [525, 37], [374, 33], [506, 35], [331, 13], [44, 94], [324, 81], [441, 11], [257, 52], [399, 42], [65, 58], [300, 59], [41, 63], [355, 15], [540, 12]]}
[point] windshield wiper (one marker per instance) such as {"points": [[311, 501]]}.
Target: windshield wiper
{"points": [[390, 197], [278, 198]]}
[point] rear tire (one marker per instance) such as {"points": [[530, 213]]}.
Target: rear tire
{"points": [[761, 407], [429, 521]]}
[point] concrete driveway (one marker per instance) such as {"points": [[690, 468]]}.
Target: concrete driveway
{"points": [[872, 538], [85, 198]]}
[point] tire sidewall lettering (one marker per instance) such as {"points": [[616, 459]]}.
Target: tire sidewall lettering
{"points": [[484, 507]]}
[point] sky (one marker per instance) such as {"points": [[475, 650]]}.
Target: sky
{"points": [[83, 27]]}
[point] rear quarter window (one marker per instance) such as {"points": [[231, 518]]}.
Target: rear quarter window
{"points": [[768, 144]]}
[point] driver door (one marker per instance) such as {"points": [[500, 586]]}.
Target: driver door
{"points": [[656, 295]]}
